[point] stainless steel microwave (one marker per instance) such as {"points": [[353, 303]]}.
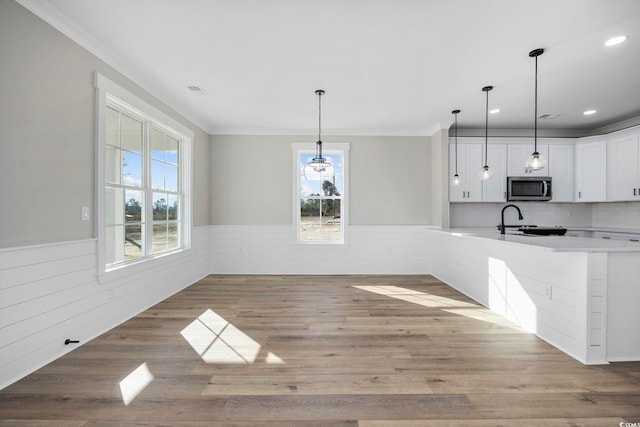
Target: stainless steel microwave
{"points": [[529, 188]]}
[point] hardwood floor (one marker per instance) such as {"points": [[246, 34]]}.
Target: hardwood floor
{"points": [[335, 351]]}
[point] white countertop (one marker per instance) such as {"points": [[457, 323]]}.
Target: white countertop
{"points": [[550, 243], [606, 229]]}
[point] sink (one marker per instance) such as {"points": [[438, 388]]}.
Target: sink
{"points": [[543, 231]]}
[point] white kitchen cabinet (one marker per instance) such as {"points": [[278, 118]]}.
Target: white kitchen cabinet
{"points": [[623, 167], [495, 189], [630, 237], [470, 161], [517, 155], [560, 167], [578, 233], [591, 170]]}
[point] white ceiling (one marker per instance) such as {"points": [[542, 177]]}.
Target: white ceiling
{"points": [[389, 67]]}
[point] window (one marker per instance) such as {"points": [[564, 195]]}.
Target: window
{"points": [[320, 202], [143, 175]]}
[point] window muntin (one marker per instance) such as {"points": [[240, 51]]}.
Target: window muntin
{"points": [[165, 170], [143, 194], [320, 210], [124, 186]]}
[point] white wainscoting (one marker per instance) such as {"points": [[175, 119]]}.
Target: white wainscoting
{"points": [[268, 249], [49, 293], [556, 295]]}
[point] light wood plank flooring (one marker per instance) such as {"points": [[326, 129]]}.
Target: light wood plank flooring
{"points": [[316, 351]]}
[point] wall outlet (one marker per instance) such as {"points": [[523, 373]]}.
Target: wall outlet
{"points": [[85, 213]]}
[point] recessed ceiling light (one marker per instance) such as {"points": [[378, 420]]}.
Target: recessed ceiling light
{"points": [[589, 112], [615, 40], [494, 111]]}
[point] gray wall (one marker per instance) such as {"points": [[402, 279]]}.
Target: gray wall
{"points": [[47, 151], [47, 143], [252, 179], [439, 188]]}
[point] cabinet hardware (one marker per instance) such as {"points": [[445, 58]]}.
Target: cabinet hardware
{"points": [[606, 237], [634, 240], [634, 191], [579, 194]]}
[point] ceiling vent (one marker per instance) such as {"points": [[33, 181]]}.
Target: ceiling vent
{"points": [[196, 90]]}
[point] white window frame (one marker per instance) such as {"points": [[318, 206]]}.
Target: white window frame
{"points": [[110, 93], [328, 148]]}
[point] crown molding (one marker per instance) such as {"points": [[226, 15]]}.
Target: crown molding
{"points": [[50, 14]]}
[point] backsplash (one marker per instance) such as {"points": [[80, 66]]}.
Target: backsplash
{"points": [[534, 213], [620, 214], [608, 215]]}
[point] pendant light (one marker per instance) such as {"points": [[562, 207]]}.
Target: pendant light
{"points": [[456, 178], [319, 165], [485, 172], [535, 161]]}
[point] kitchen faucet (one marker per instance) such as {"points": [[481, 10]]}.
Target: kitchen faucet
{"points": [[502, 226]]}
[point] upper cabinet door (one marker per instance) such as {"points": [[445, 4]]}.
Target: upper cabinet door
{"points": [[469, 164], [591, 176], [473, 164], [517, 155], [560, 167], [623, 161], [495, 189]]}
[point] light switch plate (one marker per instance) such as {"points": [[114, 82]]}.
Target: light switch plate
{"points": [[85, 213]]}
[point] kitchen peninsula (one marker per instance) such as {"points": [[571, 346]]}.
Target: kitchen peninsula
{"points": [[578, 294]]}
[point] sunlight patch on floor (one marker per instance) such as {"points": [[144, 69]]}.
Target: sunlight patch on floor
{"points": [[218, 341], [449, 305], [135, 382], [483, 314], [417, 297]]}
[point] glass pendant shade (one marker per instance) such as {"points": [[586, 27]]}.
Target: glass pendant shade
{"points": [[535, 162], [318, 166], [485, 173], [456, 180]]}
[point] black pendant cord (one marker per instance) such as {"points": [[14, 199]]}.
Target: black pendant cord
{"points": [[535, 109], [486, 126], [455, 115], [456, 143], [535, 53], [486, 131], [319, 92]]}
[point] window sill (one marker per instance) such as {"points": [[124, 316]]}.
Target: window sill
{"points": [[140, 266]]}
